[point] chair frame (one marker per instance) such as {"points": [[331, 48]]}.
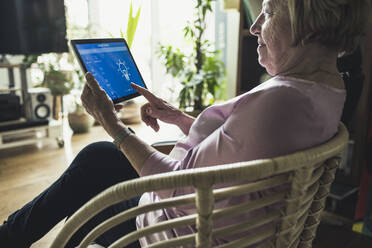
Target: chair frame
{"points": [[309, 173]]}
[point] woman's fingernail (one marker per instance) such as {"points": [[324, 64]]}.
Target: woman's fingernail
{"points": [[89, 76]]}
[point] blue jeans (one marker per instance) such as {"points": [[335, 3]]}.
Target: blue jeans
{"points": [[97, 167]]}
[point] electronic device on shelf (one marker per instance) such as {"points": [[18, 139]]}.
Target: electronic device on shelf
{"points": [[10, 107], [40, 100]]}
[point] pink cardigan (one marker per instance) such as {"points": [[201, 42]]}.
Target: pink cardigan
{"points": [[278, 117]]}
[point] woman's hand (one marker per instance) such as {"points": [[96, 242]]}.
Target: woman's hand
{"points": [[158, 109], [98, 104]]}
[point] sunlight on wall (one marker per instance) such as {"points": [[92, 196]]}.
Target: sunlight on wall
{"points": [[77, 12]]}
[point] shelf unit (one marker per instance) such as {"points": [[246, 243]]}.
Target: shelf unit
{"points": [[31, 135], [26, 131]]}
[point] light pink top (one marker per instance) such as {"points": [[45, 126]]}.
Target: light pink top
{"points": [[277, 117]]}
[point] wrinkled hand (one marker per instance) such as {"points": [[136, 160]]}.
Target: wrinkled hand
{"points": [[156, 109], [98, 104]]}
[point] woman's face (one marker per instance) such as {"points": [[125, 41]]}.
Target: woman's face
{"points": [[272, 27]]}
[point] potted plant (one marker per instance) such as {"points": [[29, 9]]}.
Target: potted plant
{"points": [[200, 72], [79, 120], [59, 82]]}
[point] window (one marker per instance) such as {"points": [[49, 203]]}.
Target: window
{"points": [[160, 21]]}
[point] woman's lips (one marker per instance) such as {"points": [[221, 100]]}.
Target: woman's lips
{"points": [[260, 43], [260, 48]]}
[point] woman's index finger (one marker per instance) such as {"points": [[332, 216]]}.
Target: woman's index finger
{"points": [[145, 93]]}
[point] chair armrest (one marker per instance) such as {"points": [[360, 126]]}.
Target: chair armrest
{"points": [[164, 146]]}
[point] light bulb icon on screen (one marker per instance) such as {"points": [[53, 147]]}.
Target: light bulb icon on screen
{"points": [[123, 69]]}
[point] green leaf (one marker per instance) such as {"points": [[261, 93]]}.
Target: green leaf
{"points": [[204, 11], [132, 24], [201, 73]]}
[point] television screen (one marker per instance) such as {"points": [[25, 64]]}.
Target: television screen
{"points": [[32, 26]]}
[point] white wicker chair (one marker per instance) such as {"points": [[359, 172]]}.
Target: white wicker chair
{"points": [[309, 174]]}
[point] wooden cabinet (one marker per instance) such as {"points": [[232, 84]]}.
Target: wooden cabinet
{"points": [[249, 70]]}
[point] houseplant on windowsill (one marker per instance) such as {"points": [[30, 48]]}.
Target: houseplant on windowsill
{"points": [[201, 72], [60, 84]]}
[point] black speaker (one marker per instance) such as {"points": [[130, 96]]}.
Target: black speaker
{"points": [[10, 107], [40, 100]]}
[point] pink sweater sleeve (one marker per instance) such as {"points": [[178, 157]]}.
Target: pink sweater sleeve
{"points": [[159, 163], [265, 124]]}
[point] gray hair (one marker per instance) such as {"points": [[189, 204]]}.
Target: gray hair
{"points": [[336, 24]]}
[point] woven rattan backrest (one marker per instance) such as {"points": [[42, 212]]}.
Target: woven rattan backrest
{"points": [[292, 211]]}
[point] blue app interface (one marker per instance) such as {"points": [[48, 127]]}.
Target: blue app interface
{"points": [[112, 66]]}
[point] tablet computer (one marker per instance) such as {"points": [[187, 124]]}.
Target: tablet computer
{"points": [[112, 64]]}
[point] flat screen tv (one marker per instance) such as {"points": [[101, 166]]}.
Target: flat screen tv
{"points": [[32, 26]]}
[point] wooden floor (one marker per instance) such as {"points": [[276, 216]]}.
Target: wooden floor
{"points": [[28, 170]]}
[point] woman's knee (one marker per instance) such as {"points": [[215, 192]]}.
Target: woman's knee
{"points": [[98, 154], [101, 147], [104, 160]]}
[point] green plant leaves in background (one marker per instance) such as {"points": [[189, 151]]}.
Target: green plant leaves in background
{"points": [[201, 72], [132, 24], [57, 81]]}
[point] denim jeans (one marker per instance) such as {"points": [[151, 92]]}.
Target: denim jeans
{"points": [[97, 167]]}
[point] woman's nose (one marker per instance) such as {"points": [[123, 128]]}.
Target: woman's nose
{"points": [[256, 26]]}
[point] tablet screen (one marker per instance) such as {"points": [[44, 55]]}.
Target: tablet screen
{"points": [[112, 64]]}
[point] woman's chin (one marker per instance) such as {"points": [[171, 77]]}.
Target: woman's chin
{"points": [[261, 61], [270, 71]]}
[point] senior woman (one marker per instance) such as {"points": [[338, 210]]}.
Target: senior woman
{"points": [[301, 106]]}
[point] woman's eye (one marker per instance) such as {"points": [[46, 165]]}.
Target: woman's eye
{"points": [[268, 14]]}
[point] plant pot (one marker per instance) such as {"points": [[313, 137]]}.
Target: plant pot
{"points": [[80, 121], [130, 113]]}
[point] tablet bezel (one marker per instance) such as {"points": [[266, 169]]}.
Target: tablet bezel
{"points": [[74, 42]]}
